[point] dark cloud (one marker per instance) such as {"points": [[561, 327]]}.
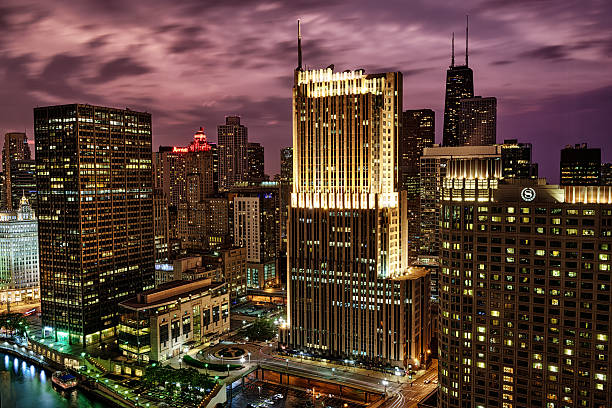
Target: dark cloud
{"points": [[502, 62], [121, 67], [551, 52]]}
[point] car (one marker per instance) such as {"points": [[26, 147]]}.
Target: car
{"points": [[435, 381], [426, 381], [278, 396]]}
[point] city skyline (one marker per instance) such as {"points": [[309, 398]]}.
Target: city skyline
{"points": [[539, 73]]}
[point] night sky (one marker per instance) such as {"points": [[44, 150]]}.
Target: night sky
{"points": [[190, 63]]}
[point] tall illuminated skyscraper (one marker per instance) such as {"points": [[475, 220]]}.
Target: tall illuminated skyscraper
{"points": [[350, 291], [459, 85], [95, 223]]}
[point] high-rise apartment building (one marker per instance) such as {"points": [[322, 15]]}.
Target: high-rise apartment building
{"points": [[477, 121], [516, 160], [349, 286], [233, 156], [19, 273], [580, 165], [96, 230], [255, 154], [459, 85], [17, 170], [524, 292]]}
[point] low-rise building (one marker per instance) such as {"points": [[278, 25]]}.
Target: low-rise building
{"points": [[233, 264], [155, 325]]}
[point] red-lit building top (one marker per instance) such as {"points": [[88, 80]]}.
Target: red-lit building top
{"points": [[198, 144]]}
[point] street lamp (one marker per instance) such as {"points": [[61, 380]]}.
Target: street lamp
{"points": [[249, 354], [206, 366], [385, 383], [242, 360], [228, 370]]}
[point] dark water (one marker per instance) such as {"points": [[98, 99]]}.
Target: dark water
{"points": [[23, 385]]}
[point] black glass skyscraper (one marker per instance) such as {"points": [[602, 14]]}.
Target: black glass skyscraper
{"points": [[459, 85]]}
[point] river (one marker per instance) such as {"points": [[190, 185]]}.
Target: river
{"points": [[23, 385]]}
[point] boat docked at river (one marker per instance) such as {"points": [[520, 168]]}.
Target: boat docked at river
{"points": [[64, 380]]}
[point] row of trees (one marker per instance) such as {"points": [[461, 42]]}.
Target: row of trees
{"points": [[13, 324]]}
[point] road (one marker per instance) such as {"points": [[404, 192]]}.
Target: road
{"points": [[407, 396], [402, 393]]}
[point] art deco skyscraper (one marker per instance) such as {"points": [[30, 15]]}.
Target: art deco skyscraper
{"points": [[95, 216], [348, 280], [459, 85], [233, 156]]}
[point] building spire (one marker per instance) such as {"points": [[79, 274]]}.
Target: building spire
{"points": [[453, 50], [467, 24], [299, 67]]}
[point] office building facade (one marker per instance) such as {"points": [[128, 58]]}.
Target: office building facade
{"points": [[19, 266], [580, 166], [418, 132], [477, 121], [96, 228], [158, 324], [255, 154], [18, 171], [516, 160], [232, 152]]}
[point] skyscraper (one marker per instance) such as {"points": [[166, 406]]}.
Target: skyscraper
{"points": [[186, 174], [286, 169], [255, 154], [580, 165], [95, 216], [16, 158], [418, 132], [459, 85], [516, 160], [524, 294], [350, 291], [477, 121], [233, 156]]}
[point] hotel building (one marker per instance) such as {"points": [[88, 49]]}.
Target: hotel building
{"points": [[524, 291], [95, 216], [349, 285]]}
